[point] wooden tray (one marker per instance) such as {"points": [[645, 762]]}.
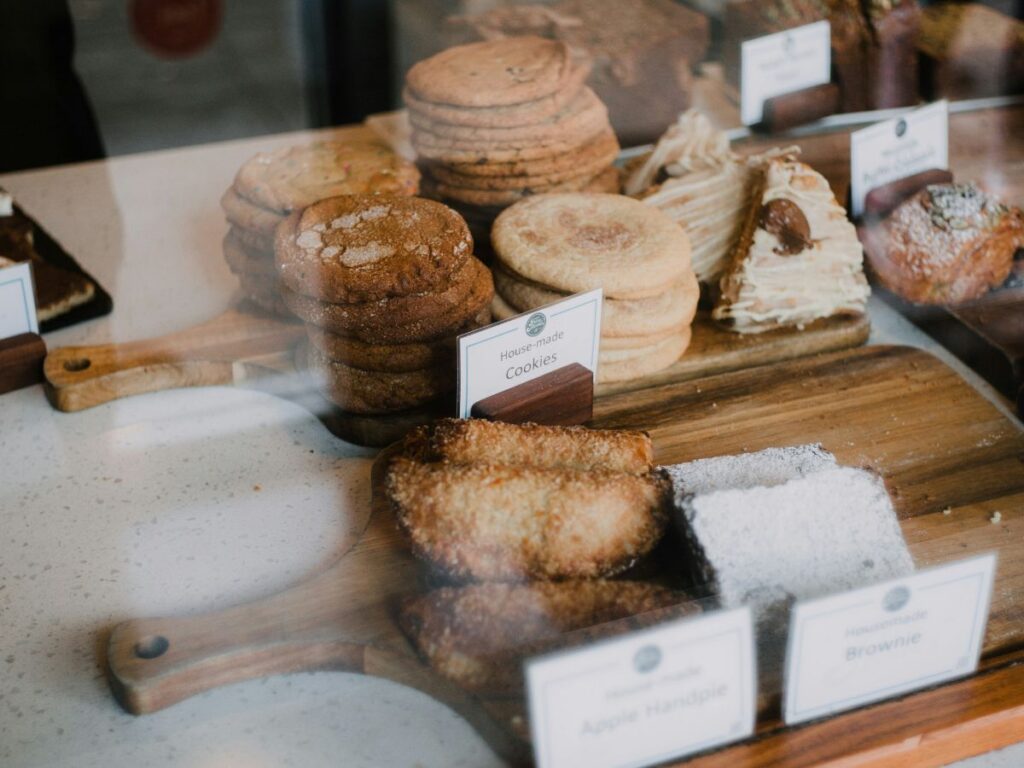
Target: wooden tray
{"points": [[935, 440], [239, 347]]}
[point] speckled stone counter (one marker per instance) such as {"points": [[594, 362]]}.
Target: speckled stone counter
{"points": [[186, 501]]}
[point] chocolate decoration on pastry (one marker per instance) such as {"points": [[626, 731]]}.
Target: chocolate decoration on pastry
{"points": [[784, 219]]}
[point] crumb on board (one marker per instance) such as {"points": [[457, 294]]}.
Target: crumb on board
{"points": [[947, 511], [996, 517], [257, 487]]}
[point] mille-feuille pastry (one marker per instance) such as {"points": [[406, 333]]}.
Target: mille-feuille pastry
{"points": [[478, 635], [557, 244], [947, 244], [474, 515], [694, 176], [798, 259], [270, 186]]}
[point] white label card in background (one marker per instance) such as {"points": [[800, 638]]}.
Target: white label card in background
{"points": [[897, 148], [520, 349], [17, 301], [781, 63], [645, 697], [869, 644]]}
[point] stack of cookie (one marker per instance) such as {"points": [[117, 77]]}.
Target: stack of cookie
{"points": [[497, 121], [385, 285], [550, 246], [272, 185]]}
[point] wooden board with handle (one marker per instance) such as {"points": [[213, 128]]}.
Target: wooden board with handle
{"points": [[223, 350], [938, 444]]}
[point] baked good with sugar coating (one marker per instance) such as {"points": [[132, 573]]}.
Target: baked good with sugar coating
{"points": [[503, 522], [947, 244], [798, 259], [464, 441], [477, 636]]}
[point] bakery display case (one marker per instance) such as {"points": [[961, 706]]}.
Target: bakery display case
{"points": [[639, 384]]}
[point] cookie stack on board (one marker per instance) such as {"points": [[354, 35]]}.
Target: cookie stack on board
{"points": [[273, 184], [384, 284], [550, 246], [497, 121]]}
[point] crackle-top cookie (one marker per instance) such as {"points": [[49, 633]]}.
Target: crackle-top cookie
{"points": [[494, 73], [359, 248], [580, 241], [294, 177]]}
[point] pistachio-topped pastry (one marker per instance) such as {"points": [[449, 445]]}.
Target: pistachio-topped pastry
{"points": [[947, 244]]}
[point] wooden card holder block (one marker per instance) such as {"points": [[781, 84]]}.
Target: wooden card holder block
{"points": [[562, 397], [21, 361], [799, 107]]}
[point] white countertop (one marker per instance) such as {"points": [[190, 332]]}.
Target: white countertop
{"points": [[185, 501]]}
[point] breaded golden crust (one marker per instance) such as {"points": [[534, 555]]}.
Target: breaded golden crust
{"points": [[500, 522], [477, 636], [465, 441]]}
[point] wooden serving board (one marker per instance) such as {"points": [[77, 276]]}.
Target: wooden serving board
{"points": [[240, 347], [935, 440]]}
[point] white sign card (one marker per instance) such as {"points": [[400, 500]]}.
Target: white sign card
{"points": [[869, 644], [645, 697], [897, 148], [520, 349], [17, 301], [780, 63]]}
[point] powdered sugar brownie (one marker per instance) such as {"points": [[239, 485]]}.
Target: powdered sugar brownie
{"points": [[359, 248]]}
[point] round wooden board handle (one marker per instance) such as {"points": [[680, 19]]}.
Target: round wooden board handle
{"points": [[81, 377]]}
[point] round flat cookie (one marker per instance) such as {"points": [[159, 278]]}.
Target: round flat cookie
{"points": [[578, 242], [249, 216], [674, 307], [450, 313], [493, 73], [359, 391], [586, 114], [360, 248], [627, 365], [583, 162], [391, 357], [527, 113], [492, 152], [294, 177], [505, 197], [244, 260], [603, 144], [264, 293]]}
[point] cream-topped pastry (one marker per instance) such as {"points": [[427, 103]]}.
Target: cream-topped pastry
{"points": [[798, 258]]}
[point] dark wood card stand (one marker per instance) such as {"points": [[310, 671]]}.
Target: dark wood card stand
{"points": [[799, 107], [562, 397], [21, 361]]}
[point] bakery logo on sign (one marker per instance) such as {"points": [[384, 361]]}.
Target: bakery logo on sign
{"points": [[896, 598], [647, 659], [535, 325], [901, 128]]}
